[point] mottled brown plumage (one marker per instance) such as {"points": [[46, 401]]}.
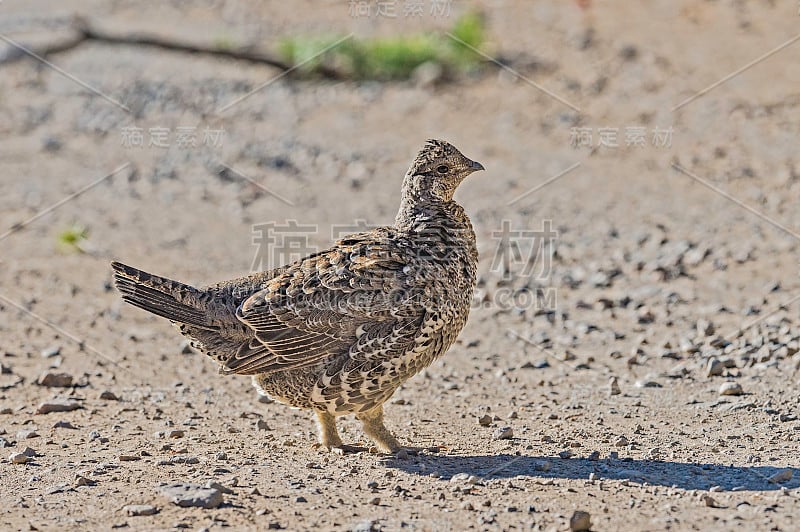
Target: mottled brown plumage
{"points": [[338, 331]]}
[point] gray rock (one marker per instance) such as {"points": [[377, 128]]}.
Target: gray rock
{"points": [[136, 510], [695, 256], [731, 388], [709, 501], [18, 458], [647, 384], [81, 480], [52, 351], [503, 433], [714, 368], [58, 405], [192, 495], [217, 486], [580, 521], [367, 525], [27, 451], [55, 380], [782, 476]]}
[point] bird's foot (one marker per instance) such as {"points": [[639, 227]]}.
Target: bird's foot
{"points": [[348, 449], [341, 448]]}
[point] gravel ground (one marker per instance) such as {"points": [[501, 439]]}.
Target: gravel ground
{"points": [[642, 367]]}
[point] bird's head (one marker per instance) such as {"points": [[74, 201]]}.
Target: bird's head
{"points": [[438, 169]]}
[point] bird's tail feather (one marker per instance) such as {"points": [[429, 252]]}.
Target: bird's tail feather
{"points": [[163, 297]]}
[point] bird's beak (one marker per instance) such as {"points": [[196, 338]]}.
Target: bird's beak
{"points": [[475, 166]]}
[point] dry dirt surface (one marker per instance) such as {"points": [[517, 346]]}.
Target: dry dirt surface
{"points": [[633, 349]]}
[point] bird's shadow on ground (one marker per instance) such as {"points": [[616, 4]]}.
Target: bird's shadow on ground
{"points": [[654, 472]]}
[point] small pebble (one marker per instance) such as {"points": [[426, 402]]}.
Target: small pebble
{"points": [[55, 380], [80, 480], [217, 486], [58, 405], [108, 396], [187, 495], [485, 420], [52, 351], [731, 388], [709, 501], [782, 476], [136, 510], [714, 368], [580, 521], [503, 433], [18, 458], [613, 386]]}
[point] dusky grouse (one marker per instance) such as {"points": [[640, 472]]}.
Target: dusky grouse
{"points": [[339, 331]]}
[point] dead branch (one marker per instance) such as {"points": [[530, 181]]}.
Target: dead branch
{"points": [[84, 32]]}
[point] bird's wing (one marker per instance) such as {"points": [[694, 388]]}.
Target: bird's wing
{"points": [[321, 306]]}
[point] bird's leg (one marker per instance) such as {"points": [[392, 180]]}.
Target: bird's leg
{"points": [[329, 436], [372, 420]]}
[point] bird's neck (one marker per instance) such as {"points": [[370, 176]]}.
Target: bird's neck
{"points": [[419, 211]]}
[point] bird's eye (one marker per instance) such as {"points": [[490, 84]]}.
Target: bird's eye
{"points": [[442, 169]]}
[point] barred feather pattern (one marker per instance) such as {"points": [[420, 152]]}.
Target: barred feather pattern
{"points": [[340, 330]]}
